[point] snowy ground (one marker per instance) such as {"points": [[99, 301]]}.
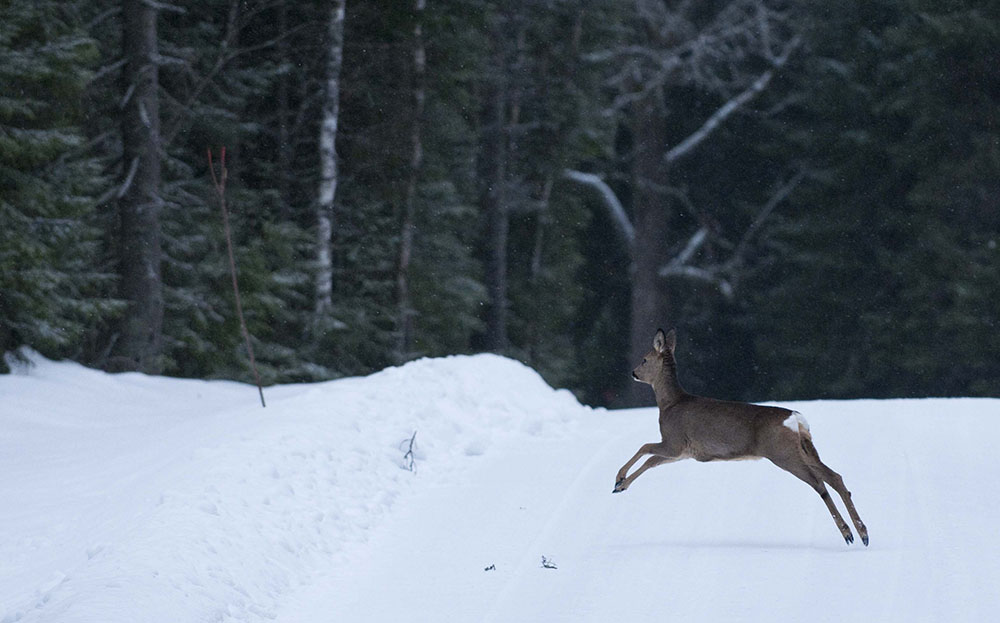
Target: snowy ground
{"points": [[133, 498]]}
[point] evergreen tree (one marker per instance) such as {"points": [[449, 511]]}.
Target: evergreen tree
{"points": [[138, 340], [889, 245], [53, 288]]}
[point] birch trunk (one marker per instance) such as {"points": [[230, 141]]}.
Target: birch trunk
{"points": [[140, 341], [325, 213], [406, 313]]}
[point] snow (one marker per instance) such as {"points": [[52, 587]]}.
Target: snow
{"points": [[135, 498]]}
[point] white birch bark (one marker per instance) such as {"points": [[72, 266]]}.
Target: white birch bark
{"points": [[325, 211]]}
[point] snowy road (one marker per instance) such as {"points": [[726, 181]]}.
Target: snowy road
{"points": [[738, 541], [129, 498]]}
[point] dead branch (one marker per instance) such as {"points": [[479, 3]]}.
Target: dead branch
{"points": [[220, 188], [409, 458]]}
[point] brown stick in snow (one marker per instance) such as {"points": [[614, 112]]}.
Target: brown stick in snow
{"points": [[220, 188]]}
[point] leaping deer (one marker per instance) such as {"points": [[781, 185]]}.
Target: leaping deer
{"points": [[706, 429]]}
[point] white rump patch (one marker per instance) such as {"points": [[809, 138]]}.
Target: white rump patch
{"points": [[795, 421]]}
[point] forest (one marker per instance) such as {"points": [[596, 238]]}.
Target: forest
{"points": [[808, 191]]}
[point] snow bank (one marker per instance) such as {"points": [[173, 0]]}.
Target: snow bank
{"points": [[136, 498]]}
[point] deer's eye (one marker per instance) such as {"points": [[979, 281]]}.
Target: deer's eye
{"points": [[644, 361]]}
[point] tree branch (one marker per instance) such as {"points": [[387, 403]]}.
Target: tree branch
{"points": [[614, 206], [779, 195], [163, 6], [726, 110], [708, 275], [724, 275], [694, 243]]}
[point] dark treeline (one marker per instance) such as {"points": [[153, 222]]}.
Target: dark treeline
{"points": [[809, 191]]}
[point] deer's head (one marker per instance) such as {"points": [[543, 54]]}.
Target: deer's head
{"points": [[655, 360]]}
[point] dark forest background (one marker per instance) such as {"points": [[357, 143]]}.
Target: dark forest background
{"points": [[809, 191]]}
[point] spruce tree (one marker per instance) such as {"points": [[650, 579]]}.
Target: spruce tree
{"points": [[53, 288]]}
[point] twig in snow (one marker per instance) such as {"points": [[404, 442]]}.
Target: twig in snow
{"points": [[548, 564], [490, 568], [411, 464]]}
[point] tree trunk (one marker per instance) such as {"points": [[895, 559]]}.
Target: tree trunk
{"points": [[497, 230], [140, 341], [406, 313], [535, 273], [325, 213], [502, 113], [493, 171], [650, 307], [284, 115]]}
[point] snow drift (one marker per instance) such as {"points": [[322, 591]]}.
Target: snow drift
{"points": [[135, 498]]}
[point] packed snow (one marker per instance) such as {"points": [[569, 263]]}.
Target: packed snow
{"points": [[136, 498]]}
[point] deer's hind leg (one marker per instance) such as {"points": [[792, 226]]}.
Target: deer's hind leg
{"points": [[822, 471], [662, 453], [795, 464]]}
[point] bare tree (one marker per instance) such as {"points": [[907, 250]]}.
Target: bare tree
{"points": [[139, 343], [325, 211], [732, 53]]}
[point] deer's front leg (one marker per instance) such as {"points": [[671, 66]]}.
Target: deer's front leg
{"points": [[661, 450]]}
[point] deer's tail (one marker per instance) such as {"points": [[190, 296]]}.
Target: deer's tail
{"points": [[796, 422]]}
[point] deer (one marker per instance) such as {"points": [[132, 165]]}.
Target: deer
{"points": [[706, 429]]}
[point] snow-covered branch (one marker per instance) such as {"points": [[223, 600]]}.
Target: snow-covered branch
{"points": [[680, 267], [163, 6], [691, 247], [614, 206], [724, 275], [708, 275], [726, 110]]}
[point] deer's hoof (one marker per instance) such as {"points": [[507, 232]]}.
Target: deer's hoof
{"points": [[619, 487], [864, 540], [849, 538]]}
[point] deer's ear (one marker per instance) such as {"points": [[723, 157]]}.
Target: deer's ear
{"points": [[660, 341], [663, 342]]}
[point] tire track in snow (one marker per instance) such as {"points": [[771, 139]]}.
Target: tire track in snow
{"points": [[531, 558]]}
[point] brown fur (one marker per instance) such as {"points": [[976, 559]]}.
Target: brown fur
{"points": [[706, 429]]}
